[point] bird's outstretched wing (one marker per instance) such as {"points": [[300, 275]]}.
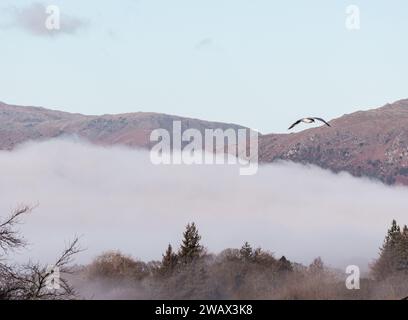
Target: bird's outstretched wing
{"points": [[296, 123], [320, 119]]}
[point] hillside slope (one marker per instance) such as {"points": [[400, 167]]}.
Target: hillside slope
{"points": [[20, 124], [370, 143]]}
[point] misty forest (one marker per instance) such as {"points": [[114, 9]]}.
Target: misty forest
{"points": [[189, 271], [286, 233]]}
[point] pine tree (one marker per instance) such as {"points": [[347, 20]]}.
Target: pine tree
{"points": [[169, 261], [402, 251], [246, 252], [284, 265], [191, 248], [393, 254], [393, 236]]}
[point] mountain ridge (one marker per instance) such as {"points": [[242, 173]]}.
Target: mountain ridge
{"points": [[23, 123], [372, 143]]}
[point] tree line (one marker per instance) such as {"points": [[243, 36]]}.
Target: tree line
{"points": [[191, 272]]}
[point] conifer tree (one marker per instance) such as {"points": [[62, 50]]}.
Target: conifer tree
{"points": [[402, 251], [284, 265], [393, 236], [169, 260], [246, 252], [191, 248], [393, 254]]}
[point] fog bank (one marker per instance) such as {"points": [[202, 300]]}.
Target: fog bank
{"points": [[116, 199]]}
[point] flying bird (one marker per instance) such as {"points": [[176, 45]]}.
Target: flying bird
{"points": [[308, 120]]}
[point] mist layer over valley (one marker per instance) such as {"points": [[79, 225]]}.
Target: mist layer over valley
{"points": [[115, 199]]}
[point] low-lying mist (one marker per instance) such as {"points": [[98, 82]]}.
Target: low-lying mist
{"points": [[116, 199]]}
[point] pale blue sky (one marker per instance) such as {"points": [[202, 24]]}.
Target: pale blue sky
{"points": [[258, 63]]}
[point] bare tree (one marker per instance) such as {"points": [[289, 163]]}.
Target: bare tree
{"points": [[32, 280], [9, 237]]}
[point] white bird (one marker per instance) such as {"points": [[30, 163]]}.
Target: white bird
{"points": [[308, 120]]}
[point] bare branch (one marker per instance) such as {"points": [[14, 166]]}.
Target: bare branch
{"points": [[9, 236], [35, 278], [32, 280]]}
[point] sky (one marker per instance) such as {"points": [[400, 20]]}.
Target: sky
{"points": [[262, 64]]}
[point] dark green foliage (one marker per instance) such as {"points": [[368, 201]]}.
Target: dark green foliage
{"points": [[246, 252], [191, 248], [393, 257], [285, 265], [169, 261]]}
